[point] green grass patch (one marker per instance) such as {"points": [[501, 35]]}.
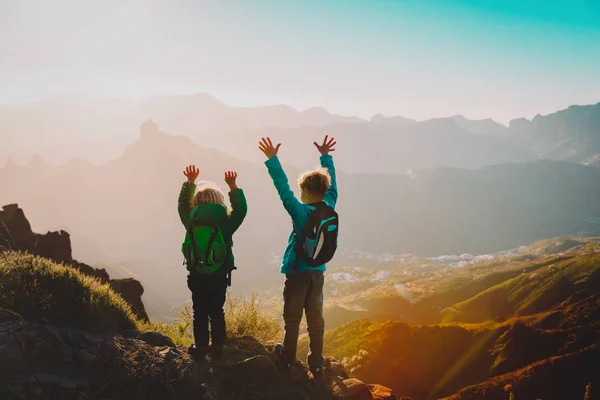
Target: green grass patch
{"points": [[34, 288]]}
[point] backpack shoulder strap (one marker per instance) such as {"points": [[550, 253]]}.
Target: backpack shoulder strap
{"points": [[194, 253], [213, 235]]}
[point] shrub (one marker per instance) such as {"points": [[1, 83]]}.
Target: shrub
{"points": [[243, 318], [35, 288]]}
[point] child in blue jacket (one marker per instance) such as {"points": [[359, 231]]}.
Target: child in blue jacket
{"points": [[303, 290]]}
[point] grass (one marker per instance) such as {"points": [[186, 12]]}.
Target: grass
{"points": [[242, 318], [35, 288], [32, 288]]}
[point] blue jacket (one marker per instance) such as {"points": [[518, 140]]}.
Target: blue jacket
{"points": [[298, 210]]}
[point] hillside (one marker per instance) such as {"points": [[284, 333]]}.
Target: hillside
{"points": [[531, 321], [16, 235], [65, 335], [532, 292]]}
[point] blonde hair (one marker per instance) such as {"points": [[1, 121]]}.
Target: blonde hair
{"points": [[209, 195], [315, 182]]}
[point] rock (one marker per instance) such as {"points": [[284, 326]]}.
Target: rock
{"points": [[351, 389], [168, 354], [17, 225], [131, 291], [99, 273], [156, 339], [6, 241], [334, 368], [22, 343], [381, 392], [209, 394], [40, 361], [258, 370], [53, 245]]}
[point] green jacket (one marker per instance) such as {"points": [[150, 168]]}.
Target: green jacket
{"points": [[213, 214]]}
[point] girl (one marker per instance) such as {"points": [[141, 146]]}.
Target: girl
{"points": [[208, 279]]}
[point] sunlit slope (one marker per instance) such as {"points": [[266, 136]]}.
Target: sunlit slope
{"points": [[533, 291]]}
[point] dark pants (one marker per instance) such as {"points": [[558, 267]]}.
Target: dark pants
{"points": [[208, 298], [303, 291]]}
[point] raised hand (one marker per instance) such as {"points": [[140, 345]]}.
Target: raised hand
{"points": [[191, 173], [327, 145], [266, 146], [230, 179]]}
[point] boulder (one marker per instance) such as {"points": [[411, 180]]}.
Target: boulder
{"points": [[131, 291], [334, 368], [156, 339], [258, 370], [381, 392], [351, 389]]}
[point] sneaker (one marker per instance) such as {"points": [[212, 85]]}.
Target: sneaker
{"points": [[278, 353], [196, 353]]}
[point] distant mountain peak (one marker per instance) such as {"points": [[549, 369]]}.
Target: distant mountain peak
{"points": [[149, 131], [378, 117], [37, 161], [316, 111], [395, 120]]}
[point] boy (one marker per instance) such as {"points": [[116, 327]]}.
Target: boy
{"points": [[303, 290]]}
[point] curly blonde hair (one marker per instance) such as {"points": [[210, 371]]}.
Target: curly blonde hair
{"points": [[209, 194], [315, 182]]}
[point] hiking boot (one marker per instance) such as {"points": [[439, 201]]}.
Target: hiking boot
{"points": [[316, 370], [196, 353], [216, 353], [279, 357]]}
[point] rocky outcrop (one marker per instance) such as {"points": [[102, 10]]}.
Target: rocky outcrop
{"points": [[6, 242], [40, 361], [131, 291], [18, 226], [16, 234]]}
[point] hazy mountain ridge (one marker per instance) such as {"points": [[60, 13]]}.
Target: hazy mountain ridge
{"points": [[118, 206], [96, 129], [383, 147], [572, 134]]}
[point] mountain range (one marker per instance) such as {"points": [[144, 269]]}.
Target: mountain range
{"points": [[97, 130], [123, 213]]}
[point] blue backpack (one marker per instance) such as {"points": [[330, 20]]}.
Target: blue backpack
{"points": [[317, 245]]}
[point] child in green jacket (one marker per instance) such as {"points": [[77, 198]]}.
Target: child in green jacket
{"points": [[207, 207]]}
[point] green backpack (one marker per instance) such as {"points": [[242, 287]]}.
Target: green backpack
{"points": [[205, 250]]}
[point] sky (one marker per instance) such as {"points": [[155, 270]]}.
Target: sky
{"points": [[497, 59]]}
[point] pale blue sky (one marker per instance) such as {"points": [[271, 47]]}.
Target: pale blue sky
{"points": [[416, 58]]}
